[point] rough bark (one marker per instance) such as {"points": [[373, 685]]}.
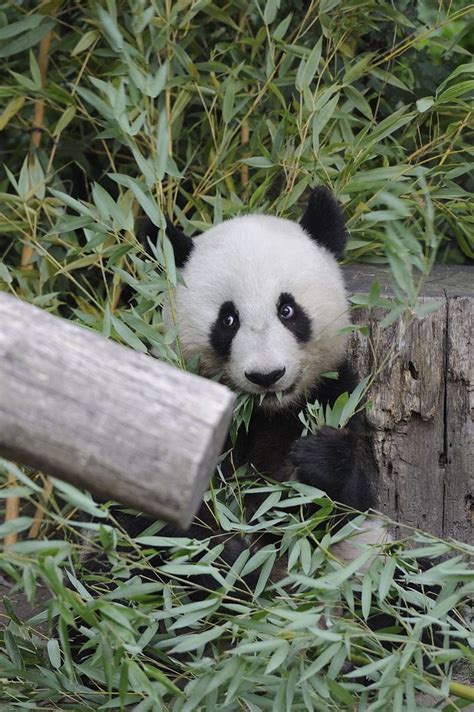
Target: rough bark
{"points": [[421, 422]]}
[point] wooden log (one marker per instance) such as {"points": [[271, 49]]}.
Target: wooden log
{"points": [[420, 450], [104, 417]]}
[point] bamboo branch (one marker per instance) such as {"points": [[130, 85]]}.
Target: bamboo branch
{"points": [[117, 286], [12, 508], [12, 511], [39, 514], [457, 689], [244, 139], [38, 124]]}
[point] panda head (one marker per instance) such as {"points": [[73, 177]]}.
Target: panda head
{"points": [[263, 300]]}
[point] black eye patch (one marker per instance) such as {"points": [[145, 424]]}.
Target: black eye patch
{"points": [[294, 317], [224, 329]]}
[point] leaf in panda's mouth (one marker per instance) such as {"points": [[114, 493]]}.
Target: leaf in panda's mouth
{"points": [[276, 394]]}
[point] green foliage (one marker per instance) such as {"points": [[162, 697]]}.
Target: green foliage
{"points": [[202, 110], [314, 416], [301, 643]]}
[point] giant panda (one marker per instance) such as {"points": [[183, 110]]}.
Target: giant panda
{"points": [[262, 303]]}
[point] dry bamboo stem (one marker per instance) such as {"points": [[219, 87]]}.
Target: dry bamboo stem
{"points": [[12, 508], [38, 123], [244, 139], [39, 514]]}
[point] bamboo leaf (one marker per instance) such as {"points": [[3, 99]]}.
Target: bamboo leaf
{"points": [[86, 41], [197, 640], [11, 109], [162, 145], [79, 499], [258, 162], [15, 525], [54, 653], [64, 120], [127, 335], [25, 40], [268, 504], [311, 64], [30, 22], [278, 657], [270, 12], [366, 598], [359, 101], [425, 104], [386, 578]]}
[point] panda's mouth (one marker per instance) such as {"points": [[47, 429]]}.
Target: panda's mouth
{"points": [[284, 392], [275, 394]]}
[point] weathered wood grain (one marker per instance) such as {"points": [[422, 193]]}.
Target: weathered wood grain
{"points": [[116, 422], [420, 451], [459, 480]]}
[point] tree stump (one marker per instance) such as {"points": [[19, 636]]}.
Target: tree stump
{"points": [[420, 449]]}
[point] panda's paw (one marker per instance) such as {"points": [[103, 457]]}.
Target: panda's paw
{"points": [[326, 459]]}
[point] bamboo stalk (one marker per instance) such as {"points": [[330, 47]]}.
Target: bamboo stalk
{"points": [[12, 511], [43, 63], [244, 129], [37, 130], [244, 139], [12, 508], [465, 692], [39, 514], [118, 287], [457, 689]]}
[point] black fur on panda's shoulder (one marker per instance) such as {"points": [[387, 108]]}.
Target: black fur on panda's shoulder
{"points": [[324, 221]]}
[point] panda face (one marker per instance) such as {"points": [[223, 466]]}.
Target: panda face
{"points": [[262, 304]]}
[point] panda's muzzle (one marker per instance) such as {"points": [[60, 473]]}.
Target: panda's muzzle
{"points": [[265, 380]]}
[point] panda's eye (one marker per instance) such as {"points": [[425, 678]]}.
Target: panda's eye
{"points": [[229, 320], [286, 311]]}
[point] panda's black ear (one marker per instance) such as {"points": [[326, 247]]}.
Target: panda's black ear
{"points": [[182, 244], [324, 221]]}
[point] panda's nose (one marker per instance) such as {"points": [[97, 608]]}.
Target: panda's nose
{"points": [[265, 379]]}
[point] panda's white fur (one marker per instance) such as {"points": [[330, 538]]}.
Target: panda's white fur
{"points": [[250, 261], [371, 533]]}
